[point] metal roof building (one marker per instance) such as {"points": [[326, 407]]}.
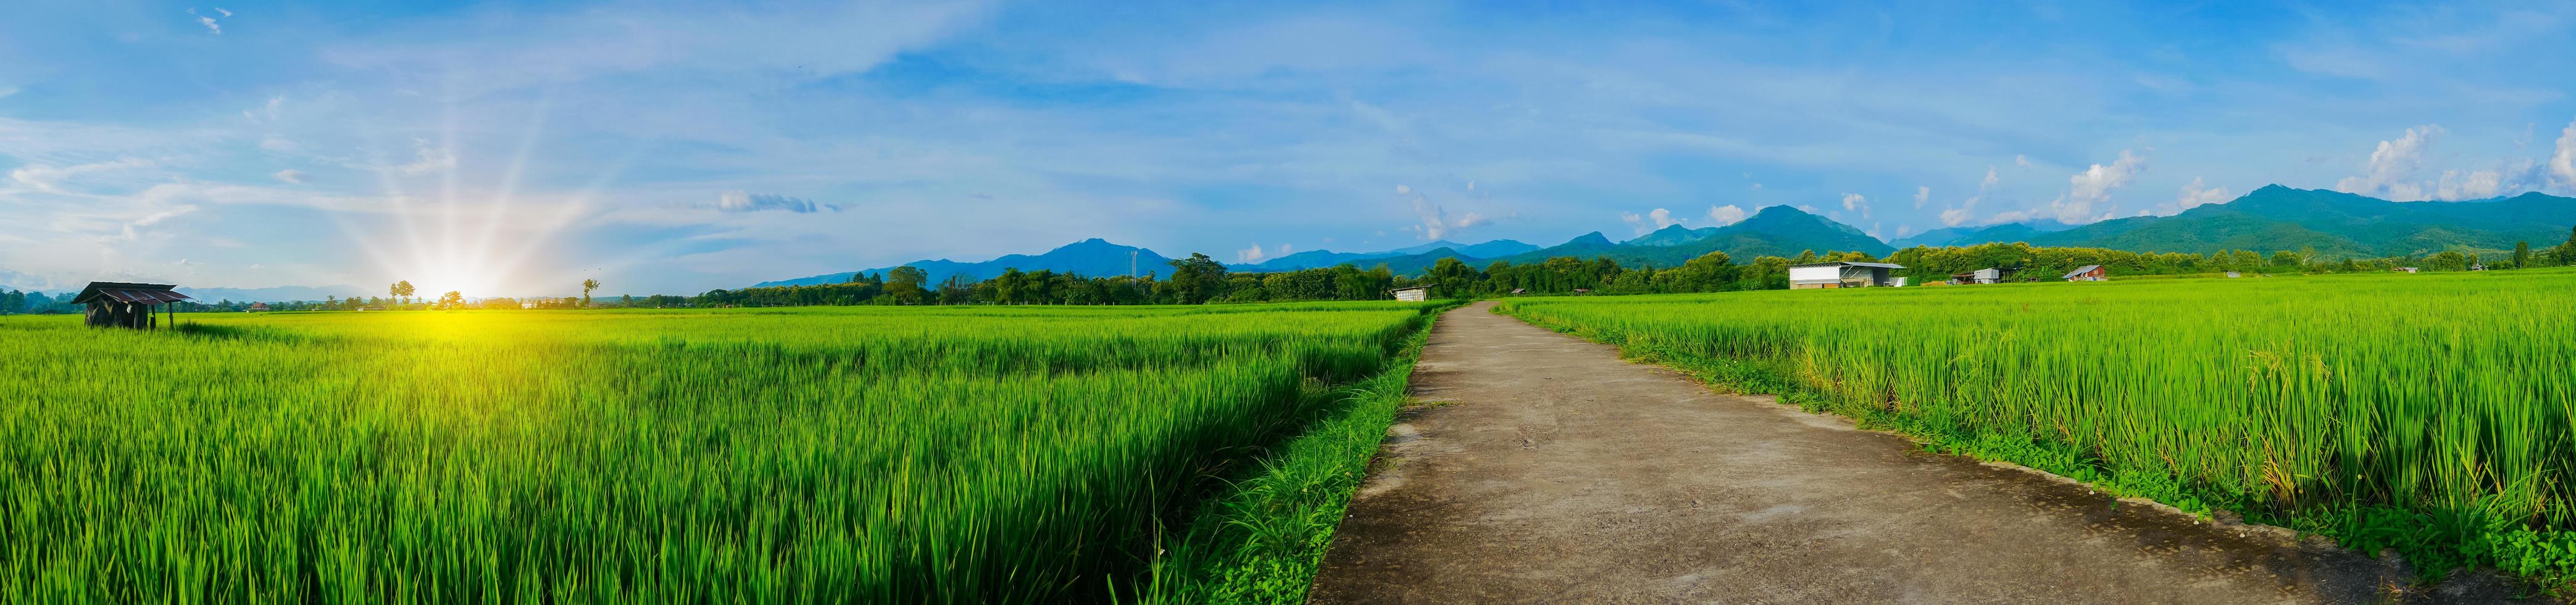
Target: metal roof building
{"points": [[1840, 274], [125, 305]]}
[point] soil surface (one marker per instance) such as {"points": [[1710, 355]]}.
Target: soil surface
{"points": [[1557, 473]]}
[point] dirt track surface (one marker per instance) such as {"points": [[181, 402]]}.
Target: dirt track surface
{"points": [[1560, 474]]}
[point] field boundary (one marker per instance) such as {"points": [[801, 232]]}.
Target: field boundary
{"points": [[1261, 539], [2544, 566]]}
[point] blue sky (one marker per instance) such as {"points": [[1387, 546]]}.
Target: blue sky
{"points": [[516, 149]]}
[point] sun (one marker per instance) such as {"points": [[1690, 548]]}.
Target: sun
{"points": [[443, 277]]}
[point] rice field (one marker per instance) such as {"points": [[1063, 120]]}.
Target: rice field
{"points": [[2430, 413], [848, 454]]}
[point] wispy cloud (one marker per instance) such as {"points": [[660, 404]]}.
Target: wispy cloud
{"points": [[736, 201]]}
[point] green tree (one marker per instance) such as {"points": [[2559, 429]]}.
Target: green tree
{"points": [[451, 301], [402, 290], [587, 285], [905, 284], [2567, 251], [2521, 254], [1449, 278], [1196, 279]]}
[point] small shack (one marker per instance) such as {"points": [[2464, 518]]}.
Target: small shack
{"points": [[125, 305], [2088, 273], [1413, 294], [258, 307], [1519, 291], [1988, 275], [1840, 274]]}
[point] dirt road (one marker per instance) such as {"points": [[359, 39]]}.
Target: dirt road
{"points": [[1560, 474]]}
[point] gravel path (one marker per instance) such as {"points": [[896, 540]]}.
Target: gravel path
{"points": [[1557, 473]]}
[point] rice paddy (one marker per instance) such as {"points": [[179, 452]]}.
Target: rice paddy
{"points": [[2430, 413], [852, 454]]}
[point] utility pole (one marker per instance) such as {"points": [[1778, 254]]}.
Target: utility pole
{"points": [[1131, 264]]}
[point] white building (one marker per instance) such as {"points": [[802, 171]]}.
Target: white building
{"points": [[1413, 294], [1840, 275]]}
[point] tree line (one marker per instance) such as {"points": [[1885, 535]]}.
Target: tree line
{"points": [[1199, 279]]}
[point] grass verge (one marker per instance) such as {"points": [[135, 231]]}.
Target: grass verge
{"points": [[1262, 538], [2433, 543]]}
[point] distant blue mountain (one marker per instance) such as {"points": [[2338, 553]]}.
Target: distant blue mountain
{"points": [[1312, 259], [1092, 257], [1673, 235], [1969, 236]]}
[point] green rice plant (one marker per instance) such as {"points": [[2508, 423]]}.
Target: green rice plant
{"points": [[947, 455], [2428, 413]]}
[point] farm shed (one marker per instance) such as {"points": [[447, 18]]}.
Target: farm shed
{"points": [[123, 304], [1413, 294], [258, 307], [1840, 275], [2088, 273], [1981, 276]]}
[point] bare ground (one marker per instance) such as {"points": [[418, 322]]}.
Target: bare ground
{"points": [[1558, 473]]}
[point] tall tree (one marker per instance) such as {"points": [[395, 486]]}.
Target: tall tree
{"points": [[451, 301], [2521, 254], [403, 290], [1196, 279], [905, 284], [587, 285]]}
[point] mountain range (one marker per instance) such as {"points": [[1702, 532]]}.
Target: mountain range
{"points": [[2332, 223], [1091, 257]]}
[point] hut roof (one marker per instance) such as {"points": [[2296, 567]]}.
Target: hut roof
{"points": [[149, 294], [2080, 271]]}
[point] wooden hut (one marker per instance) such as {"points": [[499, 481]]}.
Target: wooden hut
{"points": [[125, 305], [2088, 273], [1413, 294]]}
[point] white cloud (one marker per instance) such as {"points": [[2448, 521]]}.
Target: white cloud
{"points": [[5, 91], [1904, 230], [1401, 189], [1250, 255], [2391, 170], [1986, 186], [427, 159], [1922, 195], [1720, 216], [1874, 230], [2196, 195], [1854, 202], [1807, 209], [276, 143], [52, 179], [2021, 160], [227, 14], [1435, 222], [2093, 187], [1471, 219], [1657, 219], [2562, 167], [736, 201], [289, 176], [209, 22], [2476, 184]]}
